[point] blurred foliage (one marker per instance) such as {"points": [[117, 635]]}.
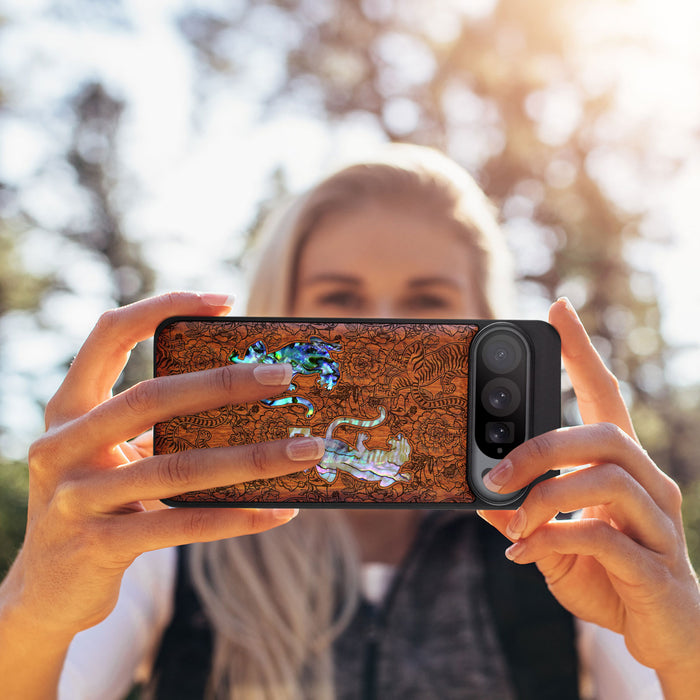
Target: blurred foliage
{"points": [[90, 160], [691, 520], [14, 482], [93, 155], [19, 290]]}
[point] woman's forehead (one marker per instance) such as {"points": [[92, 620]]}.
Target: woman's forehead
{"points": [[381, 236]]}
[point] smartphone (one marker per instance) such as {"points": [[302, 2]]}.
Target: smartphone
{"points": [[414, 413]]}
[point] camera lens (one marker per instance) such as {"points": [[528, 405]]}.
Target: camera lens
{"points": [[502, 353], [499, 432], [500, 396]]}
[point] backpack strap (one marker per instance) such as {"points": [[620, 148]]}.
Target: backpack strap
{"points": [[529, 620]]}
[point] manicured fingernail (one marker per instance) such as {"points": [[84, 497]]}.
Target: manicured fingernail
{"points": [[273, 375], [569, 306], [218, 300], [285, 514], [498, 477], [517, 525], [302, 449], [515, 550]]}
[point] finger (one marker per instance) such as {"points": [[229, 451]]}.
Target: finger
{"points": [[613, 550], [156, 529], [606, 486], [497, 518], [579, 445], [155, 400], [131, 452], [143, 444], [165, 476], [102, 357], [596, 388], [138, 448]]}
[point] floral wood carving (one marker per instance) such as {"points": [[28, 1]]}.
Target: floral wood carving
{"points": [[389, 398]]}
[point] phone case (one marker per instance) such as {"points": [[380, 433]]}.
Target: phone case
{"points": [[391, 398]]}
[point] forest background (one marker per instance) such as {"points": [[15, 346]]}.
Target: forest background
{"points": [[141, 142]]}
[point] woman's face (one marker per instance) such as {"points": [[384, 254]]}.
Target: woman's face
{"points": [[385, 261]]}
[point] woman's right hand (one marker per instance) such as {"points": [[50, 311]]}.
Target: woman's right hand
{"points": [[87, 514]]}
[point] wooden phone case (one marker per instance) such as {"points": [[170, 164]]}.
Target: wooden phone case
{"points": [[390, 398]]}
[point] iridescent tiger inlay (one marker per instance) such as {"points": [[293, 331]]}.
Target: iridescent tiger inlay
{"points": [[312, 357], [360, 462]]}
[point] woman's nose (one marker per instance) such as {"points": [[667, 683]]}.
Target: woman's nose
{"points": [[382, 308]]}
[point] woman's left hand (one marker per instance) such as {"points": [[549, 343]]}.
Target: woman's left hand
{"points": [[623, 564]]}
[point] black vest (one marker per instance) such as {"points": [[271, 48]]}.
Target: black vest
{"points": [[534, 634]]}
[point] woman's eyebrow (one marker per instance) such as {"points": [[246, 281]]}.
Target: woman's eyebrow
{"points": [[433, 281], [333, 277]]}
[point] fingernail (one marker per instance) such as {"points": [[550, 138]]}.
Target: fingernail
{"points": [[218, 300], [569, 306], [517, 525], [285, 514], [499, 476], [273, 375], [515, 550], [302, 449]]}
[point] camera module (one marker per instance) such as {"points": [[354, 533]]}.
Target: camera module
{"points": [[505, 358], [500, 389]]}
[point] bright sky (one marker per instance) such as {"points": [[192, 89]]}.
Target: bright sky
{"points": [[195, 188]]}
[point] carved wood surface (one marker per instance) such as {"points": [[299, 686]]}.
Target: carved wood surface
{"points": [[415, 374]]}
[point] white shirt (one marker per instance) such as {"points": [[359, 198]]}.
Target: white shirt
{"points": [[104, 661]]}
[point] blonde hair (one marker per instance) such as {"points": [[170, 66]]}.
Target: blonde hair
{"points": [[277, 600], [416, 176]]}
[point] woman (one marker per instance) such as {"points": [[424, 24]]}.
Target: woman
{"points": [[354, 246]]}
